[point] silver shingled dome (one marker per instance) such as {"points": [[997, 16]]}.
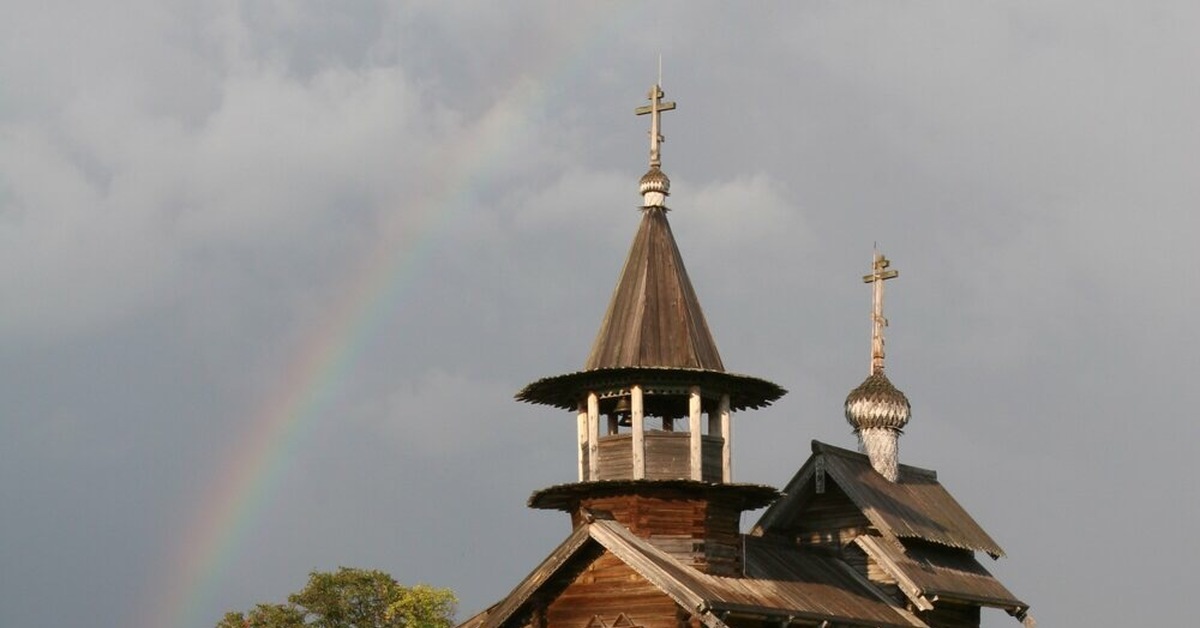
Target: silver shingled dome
{"points": [[876, 403]]}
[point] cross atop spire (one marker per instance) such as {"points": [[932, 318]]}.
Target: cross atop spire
{"points": [[879, 274], [655, 109]]}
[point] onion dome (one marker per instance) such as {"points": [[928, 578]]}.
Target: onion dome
{"points": [[876, 403], [654, 181]]}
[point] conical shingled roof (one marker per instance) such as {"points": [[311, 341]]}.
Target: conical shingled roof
{"points": [[654, 333], [654, 318]]}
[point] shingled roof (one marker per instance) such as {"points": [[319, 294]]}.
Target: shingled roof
{"points": [[654, 318], [916, 506], [926, 572], [653, 333]]}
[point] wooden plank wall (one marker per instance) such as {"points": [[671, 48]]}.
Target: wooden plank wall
{"points": [[616, 457], [668, 456], [711, 447], [830, 519], [607, 588]]}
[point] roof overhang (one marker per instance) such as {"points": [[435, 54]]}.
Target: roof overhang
{"points": [[566, 391], [567, 496]]}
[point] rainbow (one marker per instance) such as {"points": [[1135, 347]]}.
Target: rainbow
{"points": [[183, 596]]}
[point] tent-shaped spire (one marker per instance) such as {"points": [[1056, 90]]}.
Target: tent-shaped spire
{"points": [[654, 318], [654, 334]]}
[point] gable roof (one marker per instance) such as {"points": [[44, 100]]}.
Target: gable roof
{"points": [[813, 584], [927, 572], [916, 506], [654, 317], [554, 564], [781, 581]]}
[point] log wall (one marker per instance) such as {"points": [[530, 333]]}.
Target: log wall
{"points": [[703, 533]]}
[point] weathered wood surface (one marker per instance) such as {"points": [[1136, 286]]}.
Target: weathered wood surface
{"points": [[637, 418], [696, 457], [564, 391], [593, 435], [554, 565], [830, 519], [869, 556], [917, 506], [724, 420], [607, 588], [702, 533], [569, 497], [604, 570], [934, 572], [654, 317], [582, 421], [667, 456]]}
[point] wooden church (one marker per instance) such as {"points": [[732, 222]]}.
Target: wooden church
{"points": [[854, 539]]}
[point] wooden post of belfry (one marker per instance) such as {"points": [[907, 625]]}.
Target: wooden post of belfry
{"points": [[637, 417], [655, 109], [583, 440], [694, 436], [879, 274], [726, 440], [593, 421]]}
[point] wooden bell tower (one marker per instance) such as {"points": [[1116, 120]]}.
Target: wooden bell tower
{"points": [[654, 403]]}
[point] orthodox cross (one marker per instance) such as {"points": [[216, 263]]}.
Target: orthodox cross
{"points": [[655, 109], [879, 274]]}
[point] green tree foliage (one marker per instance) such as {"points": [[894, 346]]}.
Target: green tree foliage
{"points": [[353, 598]]}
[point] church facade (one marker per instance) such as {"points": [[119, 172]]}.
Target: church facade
{"points": [[854, 539]]}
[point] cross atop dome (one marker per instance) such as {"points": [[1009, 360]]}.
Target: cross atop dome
{"points": [[877, 410], [655, 109], [879, 274], [655, 186]]}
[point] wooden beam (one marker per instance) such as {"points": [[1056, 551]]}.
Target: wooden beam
{"points": [[639, 432], [593, 435], [726, 439], [697, 457], [906, 584], [583, 440]]}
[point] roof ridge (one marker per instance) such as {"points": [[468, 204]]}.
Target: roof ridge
{"points": [[819, 447]]}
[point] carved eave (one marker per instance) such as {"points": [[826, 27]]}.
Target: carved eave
{"points": [[565, 391], [567, 497]]}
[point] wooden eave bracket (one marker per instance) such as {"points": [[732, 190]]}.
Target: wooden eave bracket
{"points": [[910, 588]]}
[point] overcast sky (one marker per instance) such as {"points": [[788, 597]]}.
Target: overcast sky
{"points": [[270, 273]]}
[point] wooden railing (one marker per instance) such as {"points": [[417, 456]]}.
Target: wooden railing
{"points": [[667, 456]]}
